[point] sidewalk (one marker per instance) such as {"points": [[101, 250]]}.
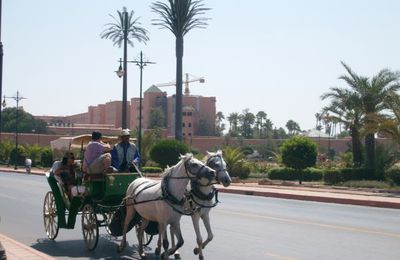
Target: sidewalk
{"points": [[15, 250]]}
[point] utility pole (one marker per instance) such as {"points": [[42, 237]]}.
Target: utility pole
{"points": [[1, 65]]}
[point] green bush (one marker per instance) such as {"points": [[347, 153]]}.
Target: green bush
{"points": [[241, 170], [393, 175], [290, 174], [47, 157], [332, 176], [351, 174], [299, 153], [283, 173], [151, 169], [19, 156], [167, 152]]}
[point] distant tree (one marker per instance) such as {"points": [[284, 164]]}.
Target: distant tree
{"points": [[204, 128], [157, 118], [167, 152], [180, 17], [219, 125], [279, 133], [260, 117], [33, 152], [26, 122], [247, 120], [292, 127], [233, 119]]}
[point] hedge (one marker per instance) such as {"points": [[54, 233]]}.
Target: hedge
{"points": [[347, 174], [290, 174], [393, 174]]}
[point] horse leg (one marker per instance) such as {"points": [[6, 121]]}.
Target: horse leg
{"points": [[158, 248], [177, 255], [207, 225], [178, 234], [162, 232], [130, 212], [199, 239], [142, 227]]}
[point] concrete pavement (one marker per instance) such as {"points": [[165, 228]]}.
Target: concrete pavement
{"points": [[363, 197]]}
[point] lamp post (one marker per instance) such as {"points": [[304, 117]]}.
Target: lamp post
{"points": [[120, 72], [141, 65], [1, 65], [17, 98]]}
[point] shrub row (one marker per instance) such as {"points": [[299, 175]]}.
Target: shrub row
{"points": [[393, 174], [329, 176], [151, 169], [290, 174]]}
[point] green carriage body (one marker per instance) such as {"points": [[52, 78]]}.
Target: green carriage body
{"points": [[104, 192]]}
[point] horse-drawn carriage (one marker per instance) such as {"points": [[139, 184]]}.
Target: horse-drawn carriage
{"points": [[97, 205], [150, 206]]}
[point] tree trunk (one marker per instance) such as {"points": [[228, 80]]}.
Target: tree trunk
{"points": [[178, 97], [125, 76], [370, 149], [356, 143]]}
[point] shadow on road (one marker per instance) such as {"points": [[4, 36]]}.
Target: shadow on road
{"points": [[106, 249]]}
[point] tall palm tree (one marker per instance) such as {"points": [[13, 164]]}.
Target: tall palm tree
{"points": [[260, 116], [373, 93], [179, 16], [345, 108], [233, 119], [123, 31]]}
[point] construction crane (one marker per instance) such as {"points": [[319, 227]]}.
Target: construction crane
{"points": [[186, 81]]}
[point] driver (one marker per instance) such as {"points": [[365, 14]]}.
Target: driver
{"points": [[124, 153]]}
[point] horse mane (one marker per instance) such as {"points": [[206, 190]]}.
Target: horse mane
{"points": [[211, 154]]}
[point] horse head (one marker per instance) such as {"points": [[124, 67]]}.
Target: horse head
{"points": [[217, 163], [196, 169]]}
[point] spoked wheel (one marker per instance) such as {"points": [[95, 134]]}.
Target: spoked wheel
{"points": [[50, 216], [90, 228], [146, 237], [108, 217]]}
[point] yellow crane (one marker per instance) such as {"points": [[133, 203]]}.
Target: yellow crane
{"points": [[186, 81]]}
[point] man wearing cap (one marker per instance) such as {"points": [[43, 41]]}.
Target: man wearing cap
{"points": [[97, 157], [124, 153]]}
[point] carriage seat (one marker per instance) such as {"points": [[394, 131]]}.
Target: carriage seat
{"points": [[63, 189], [60, 184]]}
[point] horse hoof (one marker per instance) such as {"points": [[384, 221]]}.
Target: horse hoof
{"points": [[201, 257], [177, 256], [143, 256], [157, 252], [121, 248], [196, 251]]}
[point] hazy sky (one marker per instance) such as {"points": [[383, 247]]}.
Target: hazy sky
{"points": [[274, 56]]}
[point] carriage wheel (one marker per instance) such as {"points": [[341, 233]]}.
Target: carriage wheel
{"points": [[50, 216], [108, 217], [146, 237], [90, 228]]}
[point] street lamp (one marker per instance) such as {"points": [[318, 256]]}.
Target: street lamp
{"points": [[1, 63], [141, 65], [17, 98]]}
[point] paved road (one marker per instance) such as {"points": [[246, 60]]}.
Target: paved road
{"points": [[245, 227]]}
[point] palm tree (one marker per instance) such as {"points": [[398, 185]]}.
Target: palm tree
{"points": [[260, 116], [179, 16], [373, 94], [124, 30], [292, 127], [345, 108], [220, 126], [233, 119]]}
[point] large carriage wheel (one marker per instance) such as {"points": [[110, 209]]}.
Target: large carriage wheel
{"points": [[146, 237], [90, 228], [50, 216]]}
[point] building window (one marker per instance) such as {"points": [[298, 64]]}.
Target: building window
{"points": [[183, 124], [184, 113], [190, 125], [190, 134], [189, 113]]}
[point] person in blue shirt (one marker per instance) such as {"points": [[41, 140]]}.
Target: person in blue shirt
{"points": [[124, 153]]}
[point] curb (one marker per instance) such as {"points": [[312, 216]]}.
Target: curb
{"points": [[16, 250], [305, 197]]}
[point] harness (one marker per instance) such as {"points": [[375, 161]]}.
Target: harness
{"points": [[197, 193]]}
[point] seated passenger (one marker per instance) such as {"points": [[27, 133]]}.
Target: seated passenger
{"points": [[65, 171], [97, 157], [124, 153]]}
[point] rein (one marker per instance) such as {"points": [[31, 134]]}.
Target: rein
{"points": [[197, 194]]}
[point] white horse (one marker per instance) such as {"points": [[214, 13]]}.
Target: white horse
{"points": [[204, 198], [161, 203]]}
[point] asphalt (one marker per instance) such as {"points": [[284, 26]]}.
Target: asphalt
{"points": [[284, 190]]}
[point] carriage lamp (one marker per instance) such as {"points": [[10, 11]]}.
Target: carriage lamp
{"points": [[120, 72]]}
